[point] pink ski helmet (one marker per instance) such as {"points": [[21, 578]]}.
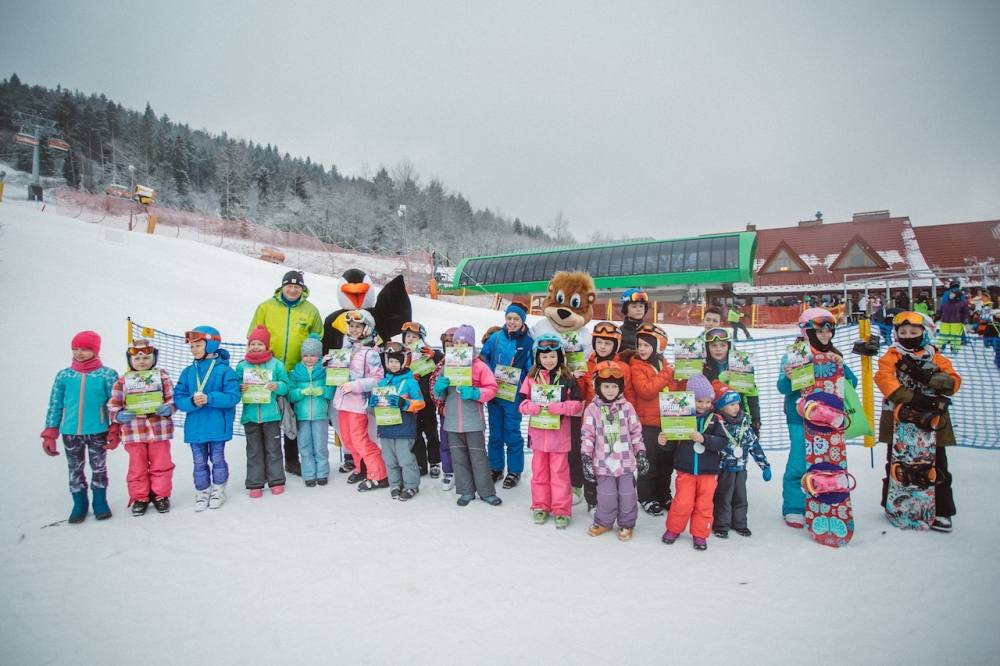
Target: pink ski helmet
{"points": [[816, 318]]}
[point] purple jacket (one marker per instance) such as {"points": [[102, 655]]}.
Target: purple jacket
{"points": [[955, 311], [618, 459]]}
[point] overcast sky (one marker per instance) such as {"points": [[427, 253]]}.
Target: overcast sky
{"points": [[647, 118]]}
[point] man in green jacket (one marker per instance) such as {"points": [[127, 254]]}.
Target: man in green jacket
{"points": [[289, 317]]}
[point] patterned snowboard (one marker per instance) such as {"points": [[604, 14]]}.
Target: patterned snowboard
{"points": [[910, 507], [829, 518]]}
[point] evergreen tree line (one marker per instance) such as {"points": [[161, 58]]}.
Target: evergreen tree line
{"points": [[235, 179]]}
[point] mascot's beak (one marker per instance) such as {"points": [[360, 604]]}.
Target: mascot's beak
{"points": [[355, 292]]}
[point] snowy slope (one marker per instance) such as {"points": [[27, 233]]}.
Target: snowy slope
{"points": [[332, 575]]}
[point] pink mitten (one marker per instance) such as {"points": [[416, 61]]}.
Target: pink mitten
{"points": [[530, 408], [49, 437]]}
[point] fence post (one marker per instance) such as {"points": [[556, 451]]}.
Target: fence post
{"points": [[753, 316], [867, 392], [463, 295]]}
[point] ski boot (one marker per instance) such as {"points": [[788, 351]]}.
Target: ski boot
{"points": [[218, 495], [201, 499], [408, 494], [139, 508], [540, 516], [562, 522], [597, 530], [162, 504]]}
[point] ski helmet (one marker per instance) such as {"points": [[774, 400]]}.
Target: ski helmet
{"points": [[140, 347], [547, 342], [364, 318], [816, 318], [415, 327], [634, 296], [608, 331], [654, 335], [210, 335], [914, 319], [397, 351]]}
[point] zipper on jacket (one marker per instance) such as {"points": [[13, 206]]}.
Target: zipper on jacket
{"points": [[288, 324], [79, 416]]}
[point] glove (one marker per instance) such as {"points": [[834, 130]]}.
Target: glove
{"points": [[163, 410], [756, 429], [372, 401], [441, 385], [315, 391], [910, 367], [941, 381], [767, 474], [557, 408], [393, 400], [588, 469], [531, 408], [114, 438], [642, 462], [49, 436], [469, 392], [124, 416]]}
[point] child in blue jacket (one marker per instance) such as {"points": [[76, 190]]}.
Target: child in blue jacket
{"points": [[78, 411], [311, 396], [397, 440], [208, 390]]}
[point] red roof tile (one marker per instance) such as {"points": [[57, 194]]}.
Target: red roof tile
{"points": [[954, 245]]}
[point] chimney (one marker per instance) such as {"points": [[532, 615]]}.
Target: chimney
{"points": [[751, 227], [815, 222], [871, 215]]}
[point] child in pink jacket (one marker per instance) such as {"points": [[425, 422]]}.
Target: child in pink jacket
{"points": [[551, 491]]}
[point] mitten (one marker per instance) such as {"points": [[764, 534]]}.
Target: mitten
{"points": [[469, 392], [531, 408], [124, 416], [316, 391], [756, 429], [441, 385], [393, 400], [767, 473], [588, 469], [49, 436], [372, 401], [557, 408], [941, 382], [163, 410], [114, 438], [642, 462]]}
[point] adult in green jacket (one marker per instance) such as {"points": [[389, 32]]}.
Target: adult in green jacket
{"points": [[289, 317]]}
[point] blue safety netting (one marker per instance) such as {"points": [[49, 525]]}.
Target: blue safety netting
{"points": [[974, 410]]}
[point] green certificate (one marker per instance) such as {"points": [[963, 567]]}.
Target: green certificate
{"points": [[338, 364], [508, 378], [143, 391], [256, 380], [458, 365], [677, 415]]}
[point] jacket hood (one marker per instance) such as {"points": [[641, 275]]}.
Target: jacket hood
{"points": [[300, 372]]}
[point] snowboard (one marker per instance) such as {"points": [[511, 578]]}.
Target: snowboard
{"points": [[909, 504], [829, 517]]}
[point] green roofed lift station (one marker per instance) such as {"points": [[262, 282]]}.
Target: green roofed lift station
{"points": [[666, 269]]}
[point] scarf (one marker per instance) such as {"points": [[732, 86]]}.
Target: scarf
{"points": [[257, 358], [87, 366]]}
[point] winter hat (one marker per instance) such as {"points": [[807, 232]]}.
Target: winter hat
{"points": [[701, 386], [260, 333], [724, 395], [312, 346], [87, 340], [293, 277], [465, 333], [519, 309]]}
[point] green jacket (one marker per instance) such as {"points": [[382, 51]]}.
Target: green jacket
{"points": [[289, 326], [254, 413]]}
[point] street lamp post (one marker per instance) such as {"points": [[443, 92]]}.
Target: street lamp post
{"points": [[406, 253], [131, 190]]}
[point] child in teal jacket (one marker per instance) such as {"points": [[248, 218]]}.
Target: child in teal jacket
{"points": [[262, 421], [78, 411], [311, 396]]}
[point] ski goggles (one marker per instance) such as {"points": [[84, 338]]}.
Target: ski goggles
{"points": [[636, 297], [821, 322], [355, 316], [414, 327], [718, 334], [912, 318], [195, 336], [608, 370], [606, 329], [548, 344], [144, 350], [395, 348]]}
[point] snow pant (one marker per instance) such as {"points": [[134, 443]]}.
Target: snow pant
{"points": [[550, 489], [793, 500], [654, 485], [400, 463], [78, 449], [219, 471], [149, 469], [693, 501], [291, 450], [731, 501], [505, 431], [446, 467], [944, 500], [616, 500], [264, 454], [576, 463], [427, 447], [738, 326], [314, 448], [472, 465], [950, 334], [354, 433]]}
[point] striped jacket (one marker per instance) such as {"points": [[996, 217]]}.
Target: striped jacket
{"points": [[144, 428]]}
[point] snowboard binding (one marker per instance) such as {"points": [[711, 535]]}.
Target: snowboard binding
{"points": [[920, 475], [820, 484], [925, 412], [822, 414]]}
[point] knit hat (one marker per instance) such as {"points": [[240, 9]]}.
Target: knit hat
{"points": [[465, 333], [724, 395], [260, 333], [87, 340], [293, 277], [519, 309], [312, 346], [701, 386]]}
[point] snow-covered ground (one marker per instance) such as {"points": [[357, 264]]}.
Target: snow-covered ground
{"points": [[330, 575]]}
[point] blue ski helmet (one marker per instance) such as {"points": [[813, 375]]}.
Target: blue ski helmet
{"points": [[210, 335], [547, 342], [634, 296]]}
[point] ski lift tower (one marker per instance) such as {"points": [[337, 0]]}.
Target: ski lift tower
{"points": [[32, 130]]}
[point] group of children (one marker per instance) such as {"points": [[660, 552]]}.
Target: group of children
{"points": [[599, 422]]}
